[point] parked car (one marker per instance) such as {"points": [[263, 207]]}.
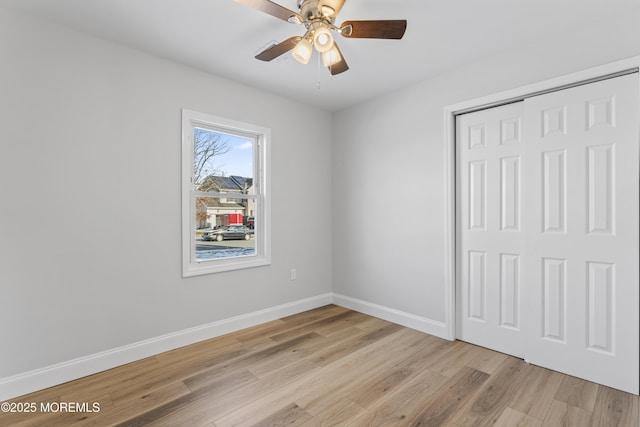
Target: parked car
{"points": [[249, 221], [228, 232]]}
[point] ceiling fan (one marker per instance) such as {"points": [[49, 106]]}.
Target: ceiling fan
{"points": [[318, 17]]}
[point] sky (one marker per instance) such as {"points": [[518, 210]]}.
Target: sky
{"points": [[239, 159]]}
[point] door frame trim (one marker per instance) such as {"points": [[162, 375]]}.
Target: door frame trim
{"points": [[589, 75]]}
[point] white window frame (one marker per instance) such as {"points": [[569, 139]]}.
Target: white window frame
{"points": [[262, 194]]}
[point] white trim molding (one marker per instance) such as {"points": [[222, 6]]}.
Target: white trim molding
{"points": [[261, 193], [450, 113], [409, 320], [39, 379], [49, 376]]}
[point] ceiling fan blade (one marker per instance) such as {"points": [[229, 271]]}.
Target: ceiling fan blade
{"points": [[276, 50], [381, 29], [340, 66], [273, 9]]}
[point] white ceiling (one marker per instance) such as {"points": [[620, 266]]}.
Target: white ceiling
{"points": [[222, 37]]}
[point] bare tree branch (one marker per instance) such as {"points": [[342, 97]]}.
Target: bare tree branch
{"points": [[207, 146]]}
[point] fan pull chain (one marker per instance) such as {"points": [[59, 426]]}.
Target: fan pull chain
{"points": [[318, 70]]}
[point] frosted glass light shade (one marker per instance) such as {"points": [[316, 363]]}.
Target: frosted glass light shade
{"points": [[302, 51], [331, 57], [322, 39]]}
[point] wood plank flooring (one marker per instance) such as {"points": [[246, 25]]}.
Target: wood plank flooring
{"points": [[326, 367]]}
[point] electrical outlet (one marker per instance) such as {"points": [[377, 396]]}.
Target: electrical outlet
{"points": [[293, 274]]}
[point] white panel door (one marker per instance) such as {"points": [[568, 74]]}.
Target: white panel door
{"points": [[490, 228], [548, 231], [581, 231]]}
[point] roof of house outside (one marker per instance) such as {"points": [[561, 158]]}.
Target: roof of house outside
{"points": [[223, 184], [233, 183]]}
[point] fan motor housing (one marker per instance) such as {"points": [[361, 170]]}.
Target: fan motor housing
{"points": [[319, 9]]}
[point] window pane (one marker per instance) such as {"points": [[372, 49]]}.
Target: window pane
{"points": [[222, 228], [222, 162]]}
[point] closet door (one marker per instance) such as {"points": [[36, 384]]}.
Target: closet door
{"points": [[548, 230], [581, 231], [490, 228]]}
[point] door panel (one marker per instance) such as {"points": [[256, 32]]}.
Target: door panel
{"points": [[510, 291], [510, 193], [490, 208], [582, 267], [554, 191], [548, 230]]}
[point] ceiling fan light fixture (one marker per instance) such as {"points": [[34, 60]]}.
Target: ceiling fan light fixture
{"points": [[318, 18], [322, 39], [327, 10], [331, 57], [302, 51]]}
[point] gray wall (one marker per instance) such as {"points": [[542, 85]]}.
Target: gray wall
{"points": [[90, 188], [90, 247], [388, 163]]}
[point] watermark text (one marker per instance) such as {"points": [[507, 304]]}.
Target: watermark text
{"points": [[49, 407]]}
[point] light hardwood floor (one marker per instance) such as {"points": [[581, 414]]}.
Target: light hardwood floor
{"points": [[332, 366]]}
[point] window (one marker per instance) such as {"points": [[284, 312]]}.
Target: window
{"points": [[225, 194]]}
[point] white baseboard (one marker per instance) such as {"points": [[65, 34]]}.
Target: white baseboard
{"points": [[49, 376], [412, 321]]}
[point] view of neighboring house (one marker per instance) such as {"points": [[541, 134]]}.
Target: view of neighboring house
{"points": [[216, 211]]}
